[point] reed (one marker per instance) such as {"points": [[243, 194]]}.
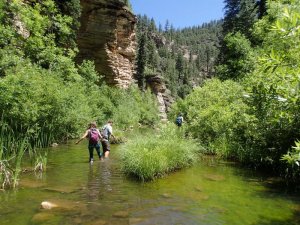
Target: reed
{"points": [[13, 146], [12, 149], [155, 155], [41, 162]]}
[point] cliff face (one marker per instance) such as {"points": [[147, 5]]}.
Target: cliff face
{"points": [[107, 36], [163, 95]]}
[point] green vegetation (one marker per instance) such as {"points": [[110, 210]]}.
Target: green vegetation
{"points": [[249, 112], [45, 96], [182, 57], [158, 154], [253, 116], [215, 113], [44, 89], [12, 149]]}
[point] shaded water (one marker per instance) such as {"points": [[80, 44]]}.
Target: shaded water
{"points": [[209, 193]]}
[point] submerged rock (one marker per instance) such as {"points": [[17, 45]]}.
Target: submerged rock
{"points": [[48, 205], [54, 145], [28, 183], [61, 189], [121, 214], [42, 217], [64, 205], [199, 189], [166, 195], [133, 221], [98, 222], [214, 177]]}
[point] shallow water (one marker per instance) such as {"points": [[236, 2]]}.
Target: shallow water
{"points": [[211, 192]]}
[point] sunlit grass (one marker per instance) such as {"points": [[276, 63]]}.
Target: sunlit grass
{"points": [[155, 155], [13, 146]]}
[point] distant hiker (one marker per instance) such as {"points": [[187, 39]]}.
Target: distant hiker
{"points": [[179, 120], [106, 133], [93, 134]]}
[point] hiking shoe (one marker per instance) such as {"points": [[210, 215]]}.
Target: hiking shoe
{"points": [[91, 161]]}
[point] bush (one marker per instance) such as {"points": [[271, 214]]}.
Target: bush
{"points": [[152, 156], [214, 114]]}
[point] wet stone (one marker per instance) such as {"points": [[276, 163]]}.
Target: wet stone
{"points": [[133, 221], [67, 190], [199, 189], [48, 205], [42, 217], [166, 195], [98, 222], [63, 205], [214, 177], [121, 214], [30, 183]]}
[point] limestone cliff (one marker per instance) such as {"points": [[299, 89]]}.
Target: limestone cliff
{"points": [[163, 95], [107, 36]]}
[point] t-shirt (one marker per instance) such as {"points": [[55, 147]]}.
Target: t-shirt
{"points": [[107, 131]]}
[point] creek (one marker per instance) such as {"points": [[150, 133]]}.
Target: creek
{"points": [[211, 192]]}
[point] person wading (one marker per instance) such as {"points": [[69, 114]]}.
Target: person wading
{"points": [[179, 120], [93, 135], [106, 134]]}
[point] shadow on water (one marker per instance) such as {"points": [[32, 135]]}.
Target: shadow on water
{"points": [[270, 188], [211, 192]]}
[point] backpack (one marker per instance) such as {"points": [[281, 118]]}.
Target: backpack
{"points": [[178, 121], [94, 136], [105, 132]]}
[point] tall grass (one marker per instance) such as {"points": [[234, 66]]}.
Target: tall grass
{"points": [[155, 155], [12, 149], [13, 146]]}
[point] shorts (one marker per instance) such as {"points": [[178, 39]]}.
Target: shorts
{"points": [[105, 145]]}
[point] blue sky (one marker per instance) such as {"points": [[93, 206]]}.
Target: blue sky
{"points": [[180, 13]]}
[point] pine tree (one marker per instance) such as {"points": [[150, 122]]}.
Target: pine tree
{"points": [[240, 15], [141, 61], [180, 65]]}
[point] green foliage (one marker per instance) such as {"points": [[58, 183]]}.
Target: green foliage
{"points": [[158, 154], [37, 98], [183, 57], [141, 61], [292, 158], [239, 59], [127, 107], [240, 16], [87, 71], [12, 149], [44, 89], [257, 120], [274, 85], [44, 95], [214, 114]]}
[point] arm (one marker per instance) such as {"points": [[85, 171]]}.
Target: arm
{"points": [[83, 137], [111, 132], [100, 136]]}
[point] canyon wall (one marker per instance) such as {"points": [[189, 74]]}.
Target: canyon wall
{"points": [[107, 36]]}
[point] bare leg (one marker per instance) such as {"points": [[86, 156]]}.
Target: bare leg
{"points": [[106, 154]]}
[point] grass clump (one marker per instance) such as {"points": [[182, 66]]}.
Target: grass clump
{"points": [[155, 155]]}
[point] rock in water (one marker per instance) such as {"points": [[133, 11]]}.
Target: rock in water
{"points": [[47, 205]]}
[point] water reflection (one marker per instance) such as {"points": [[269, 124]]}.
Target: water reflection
{"points": [[99, 180]]}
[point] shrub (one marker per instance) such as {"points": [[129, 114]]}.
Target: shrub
{"points": [[148, 157]]}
